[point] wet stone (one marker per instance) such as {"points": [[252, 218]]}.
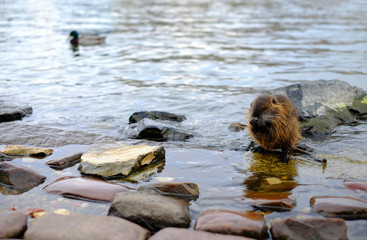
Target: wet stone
{"points": [[249, 224], [19, 150], [277, 205], [66, 162], [151, 211], [345, 207], [186, 234], [356, 185], [85, 188], [80, 227], [4, 157], [18, 177], [184, 191], [137, 116], [12, 223], [309, 228], [12, 111], [236, 127]]}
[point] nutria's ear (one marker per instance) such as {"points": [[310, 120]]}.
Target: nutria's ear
{"points": [[274, 101]]}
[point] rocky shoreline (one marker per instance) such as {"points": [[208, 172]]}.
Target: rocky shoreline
{"points": [[160, 211]]}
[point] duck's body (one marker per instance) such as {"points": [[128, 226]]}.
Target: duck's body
{"points": [[85, 40]]}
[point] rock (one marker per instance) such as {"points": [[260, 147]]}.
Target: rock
{"points": [[146, 172], [19, 150], [184, 191], [18, 177], [249, 224], [151, 211], [80, 227], [85, 188], [137, 116], [322, 104], [11, 110], [186, 234], [123, 160], [156, 131], [359, 107], [278, 205], [32, 211], [345, 207], [236, 127], [66, 162], [4, 157], [356, 185], [12, 223], [309, 228]]}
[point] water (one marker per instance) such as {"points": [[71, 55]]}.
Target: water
{"points": [[204, 59]]}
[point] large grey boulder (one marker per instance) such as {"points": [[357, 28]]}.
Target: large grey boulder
{"points": [[12, 223], [80, 227], [123, 160], [324, 104], [11, 110], [151, 211]]}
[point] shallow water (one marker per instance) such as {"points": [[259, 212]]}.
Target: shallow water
{"points": [[204, 59]]}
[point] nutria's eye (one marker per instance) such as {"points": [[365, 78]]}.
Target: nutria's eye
{"points": [[274, 101]]}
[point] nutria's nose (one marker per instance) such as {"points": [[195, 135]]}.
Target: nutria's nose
{"points": [[254, 121]]}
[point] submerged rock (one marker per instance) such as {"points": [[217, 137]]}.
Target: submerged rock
{"points": [[4, 157], [151, 211], [277, 205], [184, 191], [309, 228], [85, 188], [19, 150], [249, 224], [80, 227], [356, 185], [120, 161], [323, 104], [345, 207], [236, 127], [66, 162], [12, 223], [11, 111], [172, 233], [18, 177], [137, 116], [146, 172]]}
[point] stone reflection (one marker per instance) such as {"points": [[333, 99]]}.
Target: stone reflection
{"points": [[270, 182]]}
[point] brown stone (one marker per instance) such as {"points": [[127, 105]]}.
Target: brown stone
{"points": [[249, 224], [309, 228], [184, 191], [85, 188], [12, 223], [236, 127], [345, 207], [18, 177], [80, 227], [64, 162], [356, 185], [186, 234], [278, 205]]}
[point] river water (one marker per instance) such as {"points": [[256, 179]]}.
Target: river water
{"points": [[204, 59]]}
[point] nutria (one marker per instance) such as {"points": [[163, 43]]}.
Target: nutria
{"points": [[273, 124]]}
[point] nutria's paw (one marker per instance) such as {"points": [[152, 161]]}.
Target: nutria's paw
{"points": [[284, 157]]}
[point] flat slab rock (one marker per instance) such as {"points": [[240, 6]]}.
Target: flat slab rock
{"points": [[345, 207], [65, 162], [18, 177], [11, 110], [151, 211], [85, 188], [309, 228], [12, 223], [120, 161], [356, 185], [137, 116], [19, 150], [186, 234], [80, 227], [277, 205], [249, 224], [184, 191]]}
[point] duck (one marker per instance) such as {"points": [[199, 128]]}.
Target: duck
{"points": [[86, 40]]}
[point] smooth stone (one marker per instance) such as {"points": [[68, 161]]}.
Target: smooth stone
{"points": [[345, 207], [146, 172], [277, 205], [85, 188], [120, 161], [137, 116], [249, 224], [11, 110], [171, 233], [12, 223], [4, 157], [151, 211], [356, 185], [81, 227], [66, 162], [184, 191], [236, 127], [18, 177], [19, 150], [309, 228]]}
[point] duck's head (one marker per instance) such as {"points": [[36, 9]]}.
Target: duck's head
{"points": [[74, 35]]}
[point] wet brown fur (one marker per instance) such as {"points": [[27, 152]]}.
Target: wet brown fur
{"points": [[273, 124]]}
